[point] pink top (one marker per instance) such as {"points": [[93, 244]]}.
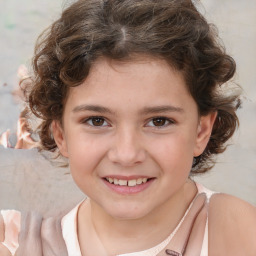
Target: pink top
{"points": [[12, 221]]}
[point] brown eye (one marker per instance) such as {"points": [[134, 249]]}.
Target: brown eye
{"points": [[159, 121], [96, 121]]}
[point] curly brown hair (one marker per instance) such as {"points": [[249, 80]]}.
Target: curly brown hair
{"points": [[173, 30]]}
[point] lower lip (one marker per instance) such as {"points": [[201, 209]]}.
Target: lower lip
{"points": [[126, 190]]}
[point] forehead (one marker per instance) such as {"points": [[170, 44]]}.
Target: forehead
{"points": [[138, 66], [141, 80], [135, 62]]}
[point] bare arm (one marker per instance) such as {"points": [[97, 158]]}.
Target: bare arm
{"points": [[232, 226]]}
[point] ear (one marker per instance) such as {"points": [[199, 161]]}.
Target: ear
{"points": [[59, 137], [204, 132]]}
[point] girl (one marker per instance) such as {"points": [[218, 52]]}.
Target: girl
{"points": [[135, 95]]}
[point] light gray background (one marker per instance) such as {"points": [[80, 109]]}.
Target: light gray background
{"points": [[27, 178]]}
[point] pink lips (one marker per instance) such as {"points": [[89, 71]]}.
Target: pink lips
{"points": [[126, 190], [133, 177]]}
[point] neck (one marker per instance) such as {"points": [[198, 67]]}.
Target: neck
{"points": [[119, 236]]}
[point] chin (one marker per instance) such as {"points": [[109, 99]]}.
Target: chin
{"points": [[127, 212]]}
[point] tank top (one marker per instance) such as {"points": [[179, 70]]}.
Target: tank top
{"points": [[43, 232]]}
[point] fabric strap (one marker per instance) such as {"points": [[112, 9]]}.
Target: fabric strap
{"points": [[188, 239]]}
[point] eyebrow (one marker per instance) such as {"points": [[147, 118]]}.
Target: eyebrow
{"points": [[161, 109], [95, 108], [146, 110]]}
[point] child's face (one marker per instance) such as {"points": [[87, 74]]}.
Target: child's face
{"points": [[131, 122]]}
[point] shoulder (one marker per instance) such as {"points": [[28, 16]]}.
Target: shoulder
{"points": [[232, 226]]}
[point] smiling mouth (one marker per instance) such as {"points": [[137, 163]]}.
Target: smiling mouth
{"points": [[128, 183]]}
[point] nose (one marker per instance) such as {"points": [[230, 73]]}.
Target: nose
{"points": [[127, 148]]}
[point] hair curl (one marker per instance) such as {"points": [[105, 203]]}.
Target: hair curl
{"points": [[173, 30]]}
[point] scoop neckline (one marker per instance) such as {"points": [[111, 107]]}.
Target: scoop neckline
{"points": [[148, 252]]}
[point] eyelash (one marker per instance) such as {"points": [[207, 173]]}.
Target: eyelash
{"points": [[91, 118], [167, 122]]}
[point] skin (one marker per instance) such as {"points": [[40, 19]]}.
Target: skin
{"points": [[232, 226], [130, 141]]}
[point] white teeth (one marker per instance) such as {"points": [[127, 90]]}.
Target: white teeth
{"points": [[122, 182], [144, 180], [139, 181], [130, 183]]}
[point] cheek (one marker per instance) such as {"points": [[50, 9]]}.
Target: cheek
{"points": [[85, 154], [83, 163], [173, 154]]}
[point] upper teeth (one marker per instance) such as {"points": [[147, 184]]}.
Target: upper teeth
{"points": [[129, 183]]}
